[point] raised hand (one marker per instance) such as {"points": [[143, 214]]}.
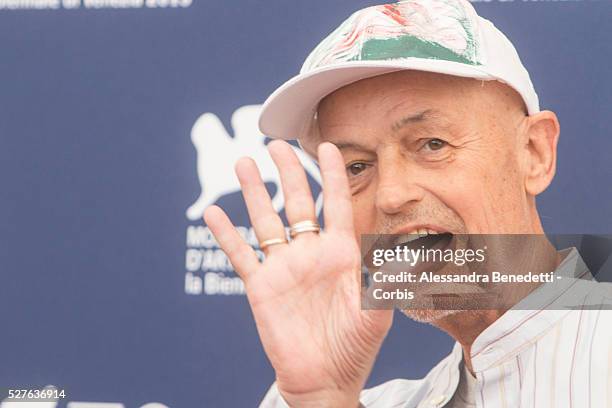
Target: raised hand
{"points": [[305, 295]]}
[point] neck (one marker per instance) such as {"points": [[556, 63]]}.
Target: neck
{"points": [[465, 326]]}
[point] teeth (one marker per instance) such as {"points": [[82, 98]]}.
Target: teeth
{"points": [[421, 232], [413, 235]]}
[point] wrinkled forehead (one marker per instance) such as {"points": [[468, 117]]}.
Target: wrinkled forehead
{"points": [[412, 87], [406, 95]]}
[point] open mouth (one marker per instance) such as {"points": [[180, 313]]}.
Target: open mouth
{"points": [[424, 247], [415, 251]]}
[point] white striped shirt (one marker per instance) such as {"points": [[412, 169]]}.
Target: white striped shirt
{"points": [[549, 357]]}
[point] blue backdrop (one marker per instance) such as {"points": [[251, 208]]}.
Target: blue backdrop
{"points": [[109, 288]]}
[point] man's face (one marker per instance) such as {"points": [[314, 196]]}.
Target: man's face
{"points": [[430, 152]]}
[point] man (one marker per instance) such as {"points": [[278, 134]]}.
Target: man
{"points": [[423, 120]]}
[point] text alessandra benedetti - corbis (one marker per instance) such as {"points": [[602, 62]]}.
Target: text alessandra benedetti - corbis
{"points": [[473, 277]]}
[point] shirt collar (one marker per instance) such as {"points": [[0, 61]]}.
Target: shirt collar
{"points": [[521, 325]]}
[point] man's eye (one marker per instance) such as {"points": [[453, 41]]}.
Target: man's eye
{"points": [[355, 168], [435, 144]]}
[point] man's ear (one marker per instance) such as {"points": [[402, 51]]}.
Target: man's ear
{"points": [[541, 144]]}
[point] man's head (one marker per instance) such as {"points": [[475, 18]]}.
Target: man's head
{"points": [[437, 119]]}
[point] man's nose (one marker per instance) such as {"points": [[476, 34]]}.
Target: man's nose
{"points": [[397, 185]]}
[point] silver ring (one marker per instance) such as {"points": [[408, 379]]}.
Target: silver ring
{"points": [[273, 241], [303, 226]]}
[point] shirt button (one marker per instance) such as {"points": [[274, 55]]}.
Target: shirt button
{"points": [[437, 401]]}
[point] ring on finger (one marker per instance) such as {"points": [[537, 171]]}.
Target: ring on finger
{"points": [[303, 226], [273, 241]]}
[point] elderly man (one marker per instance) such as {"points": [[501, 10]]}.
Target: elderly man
{"points": [[423, 120]]}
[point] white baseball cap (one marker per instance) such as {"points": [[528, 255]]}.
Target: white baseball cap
{"points": [[441, 36]]}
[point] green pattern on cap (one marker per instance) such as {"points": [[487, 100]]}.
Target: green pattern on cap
{"points": [[407, 46]]}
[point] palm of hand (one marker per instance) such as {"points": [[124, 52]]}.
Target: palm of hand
{"points": [[305, 296]]}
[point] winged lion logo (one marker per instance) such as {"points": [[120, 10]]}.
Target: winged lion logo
{"points": [[217, 152]]}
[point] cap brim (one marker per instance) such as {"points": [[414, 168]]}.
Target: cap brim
{"points": [[288, 112]]}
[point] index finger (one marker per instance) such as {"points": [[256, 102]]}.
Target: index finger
{"points": [[337, 204], [240, 254]]}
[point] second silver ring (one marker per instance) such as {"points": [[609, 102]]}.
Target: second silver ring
{"points": [[302, 227]]}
